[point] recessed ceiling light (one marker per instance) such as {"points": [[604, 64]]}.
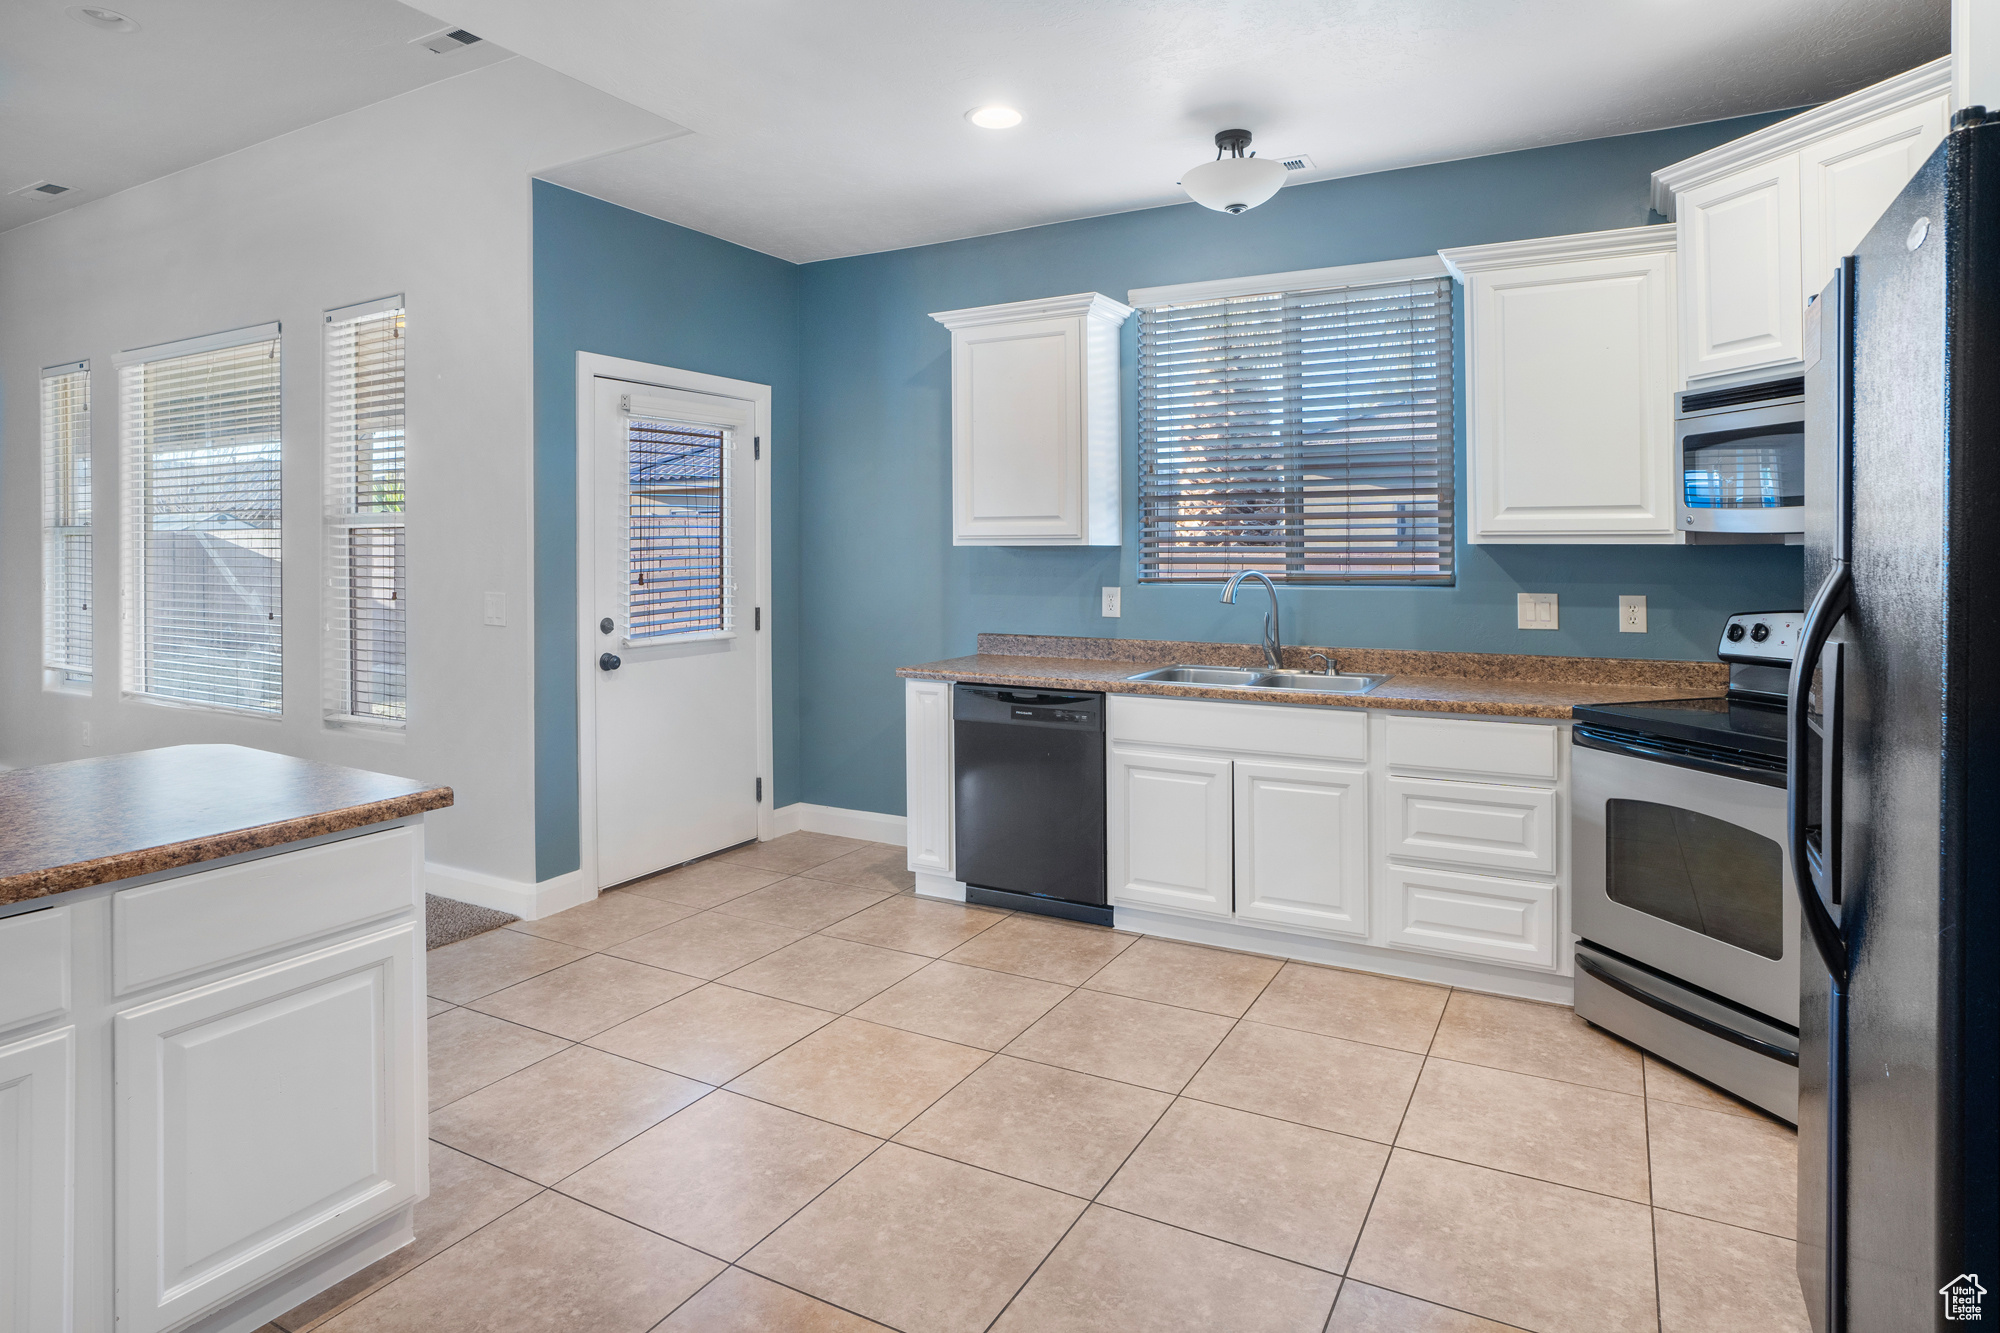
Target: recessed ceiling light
{"points": [[994, 117], [96, 16]]}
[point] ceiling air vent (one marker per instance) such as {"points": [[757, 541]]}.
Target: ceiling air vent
{"points": [[444, 43], [44, 188], [1293, 161]]}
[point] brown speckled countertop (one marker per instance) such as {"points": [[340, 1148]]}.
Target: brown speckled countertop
{"points": [[91, 821], [1495, 684]]}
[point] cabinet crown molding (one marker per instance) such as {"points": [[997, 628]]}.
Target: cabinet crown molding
{"points": [[1625, 241], [1096, 305], [1905, 89]]}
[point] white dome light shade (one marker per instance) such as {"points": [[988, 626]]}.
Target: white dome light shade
{"points": [[994, 117], [1233, 183]]}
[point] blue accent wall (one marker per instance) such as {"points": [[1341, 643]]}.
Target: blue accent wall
{"points": [[882, 586], [619, 283]]}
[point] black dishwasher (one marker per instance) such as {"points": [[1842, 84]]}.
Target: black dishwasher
{"points": [[1028, 791]]}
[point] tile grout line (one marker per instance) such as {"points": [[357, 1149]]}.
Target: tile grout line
{"points": [[1652, 1208], [1347, 1269]]}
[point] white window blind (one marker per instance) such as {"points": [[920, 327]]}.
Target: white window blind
{"points": [[1306, 434], [203, 575], [367, 570], [66, 563], [678, 579]]}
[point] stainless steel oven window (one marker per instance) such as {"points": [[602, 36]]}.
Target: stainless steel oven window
{"points": [[1701, 873]]}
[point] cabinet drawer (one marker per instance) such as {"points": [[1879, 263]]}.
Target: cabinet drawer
{"points": [[1311, 732], [1473, 824], [188, 925], [1525, 751], [34, 967], [1472, 916]]}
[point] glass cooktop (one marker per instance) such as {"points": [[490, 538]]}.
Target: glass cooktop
{"points": [[1738, 724]]}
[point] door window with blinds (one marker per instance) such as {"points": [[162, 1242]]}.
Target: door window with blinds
{"points": [[367, 630], [203, 577], [678, 580], [66, 552], [1306, 434]]}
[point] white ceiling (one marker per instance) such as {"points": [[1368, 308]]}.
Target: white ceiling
{"points": [[101, 111], [824, 129]]}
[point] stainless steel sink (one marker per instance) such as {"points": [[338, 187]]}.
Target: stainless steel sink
{"points": [[1256, 679], [1317, 684], [1201, 675]]}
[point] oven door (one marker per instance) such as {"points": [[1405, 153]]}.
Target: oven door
{"points": [[1682, 870]]}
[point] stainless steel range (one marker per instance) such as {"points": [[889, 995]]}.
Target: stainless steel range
{"points": [[1688, 923]]}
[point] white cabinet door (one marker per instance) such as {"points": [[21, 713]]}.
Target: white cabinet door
{"points": [[1017, 432], [1169, 831], [1035, 422], [1301, 846], [37, 1182], [1570, 346], [261, 1118], [1849, 179], [1742, 302], [927, 776], [1478, 824]]}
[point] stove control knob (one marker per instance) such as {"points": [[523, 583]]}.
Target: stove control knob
{"points": [[1759, 632], [1734, 633]]}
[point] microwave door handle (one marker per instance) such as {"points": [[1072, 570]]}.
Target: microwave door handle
{"points": [[1829, 604]]}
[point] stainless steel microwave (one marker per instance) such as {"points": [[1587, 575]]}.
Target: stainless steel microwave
{"points": [[1741, 455]]}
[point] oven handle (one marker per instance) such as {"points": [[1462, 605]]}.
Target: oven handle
{"points": [[1829, 604], [1687, 1016], [1588, 738]]}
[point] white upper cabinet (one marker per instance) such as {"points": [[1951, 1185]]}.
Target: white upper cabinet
{"points": [[1035, 422], [1764, 219], [1741, 272], [1570, 352]]}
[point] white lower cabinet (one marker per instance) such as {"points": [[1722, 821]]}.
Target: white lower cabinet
{"points": [[1472, 916], [261, 1118], [1168, 819], [37, 1182], [1473, 824], [1302, 846]]}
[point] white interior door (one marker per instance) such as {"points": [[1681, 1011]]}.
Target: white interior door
{"points": [[672, 629]]}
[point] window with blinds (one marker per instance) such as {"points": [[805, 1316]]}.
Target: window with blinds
{"points": [[66, 564], [203, 603], [677, 529], [1306, 434], [367, 630]]}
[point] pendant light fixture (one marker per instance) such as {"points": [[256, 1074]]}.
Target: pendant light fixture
{"points": [[1234, 182]]}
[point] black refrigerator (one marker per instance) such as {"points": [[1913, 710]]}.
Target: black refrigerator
{"points": [[1895, 778]]}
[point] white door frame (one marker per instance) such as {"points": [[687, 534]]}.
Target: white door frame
{"points": [[590, 366]]}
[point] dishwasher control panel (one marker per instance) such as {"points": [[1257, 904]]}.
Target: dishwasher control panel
{"points": [[1028, 707]]}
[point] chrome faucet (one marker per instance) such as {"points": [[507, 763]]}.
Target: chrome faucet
{"points": [[1274, 648]]}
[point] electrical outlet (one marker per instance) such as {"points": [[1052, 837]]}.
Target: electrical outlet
{"points": [[86, 733], [1631, 615], [496, 608], [1535, 610], [1112, 597]]}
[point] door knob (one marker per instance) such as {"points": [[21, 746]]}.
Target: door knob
{"points": [[609, 662]]}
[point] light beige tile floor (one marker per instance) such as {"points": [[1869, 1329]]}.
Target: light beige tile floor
{"points": [[772, 1092]]}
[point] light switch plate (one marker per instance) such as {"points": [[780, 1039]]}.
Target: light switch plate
{"points": [[1112, 597], [496, 608], [1535, 610], [1631, 615]]}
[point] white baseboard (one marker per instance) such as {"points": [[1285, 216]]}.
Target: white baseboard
{"points": [[528, 901], [802, 817], [930, 884], [1464, 974]]}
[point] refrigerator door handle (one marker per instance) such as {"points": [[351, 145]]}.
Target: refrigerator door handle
{"points": [[1829, 604]]}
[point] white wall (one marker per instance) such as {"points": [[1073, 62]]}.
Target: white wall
{"points": [[426, 194]]}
